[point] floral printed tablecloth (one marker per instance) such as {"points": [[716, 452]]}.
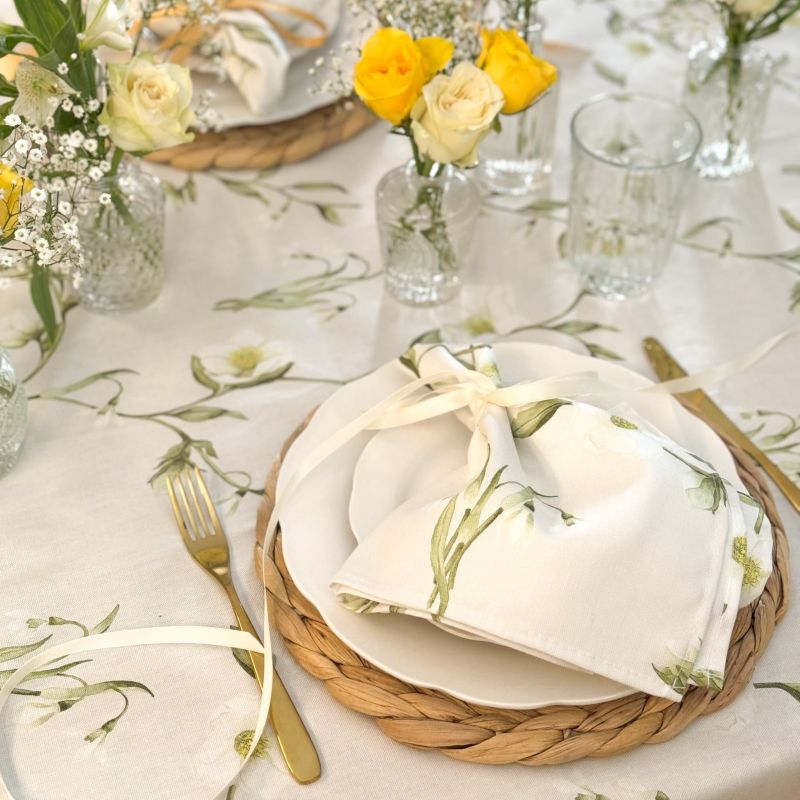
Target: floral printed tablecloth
{"points": [[273, 298]]}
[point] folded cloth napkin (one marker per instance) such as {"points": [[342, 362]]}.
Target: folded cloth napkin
{"points": [[249, 51], [579, 535]]}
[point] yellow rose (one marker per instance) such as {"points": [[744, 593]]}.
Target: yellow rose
{"points": [[393, 68], [454, 114], [12, 186], [149, 105], [521, 76]]}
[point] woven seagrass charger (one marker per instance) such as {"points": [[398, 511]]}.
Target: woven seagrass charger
{"points": [[433, 720], [263, 146]]}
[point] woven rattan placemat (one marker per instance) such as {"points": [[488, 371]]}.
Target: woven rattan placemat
{"points": [[262, 146], [433, 720]]}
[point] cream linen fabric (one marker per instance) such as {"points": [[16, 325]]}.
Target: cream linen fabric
{"points": [[574, 534]]}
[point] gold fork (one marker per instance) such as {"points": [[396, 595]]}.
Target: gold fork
{"points": [[205, 539]]}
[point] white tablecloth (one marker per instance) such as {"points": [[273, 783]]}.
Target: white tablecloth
{"points": [[82, 530]]}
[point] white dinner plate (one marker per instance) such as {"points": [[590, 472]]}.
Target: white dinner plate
{"points": [[318, 538], [297, 98]]}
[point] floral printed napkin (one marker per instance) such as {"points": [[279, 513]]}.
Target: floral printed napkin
{"points": [[582, 536]]}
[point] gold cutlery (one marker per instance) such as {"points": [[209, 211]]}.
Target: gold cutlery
{"points": [[697, 401], [205, 539]]}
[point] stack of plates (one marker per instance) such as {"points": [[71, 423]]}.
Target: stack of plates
{"points": [[362, 482]]}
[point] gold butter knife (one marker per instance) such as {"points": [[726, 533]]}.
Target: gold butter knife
{"points": [[697, 401]]}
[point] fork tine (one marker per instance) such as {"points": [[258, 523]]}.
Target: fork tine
{"points": [[207, 530], [189, 509], [212, 511], [177, 509]]}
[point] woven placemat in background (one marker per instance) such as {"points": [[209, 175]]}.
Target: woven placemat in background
{"points": [[433, 720], [262, 146]]}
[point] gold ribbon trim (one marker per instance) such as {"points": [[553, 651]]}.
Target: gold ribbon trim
{"points": [[181, 43]]}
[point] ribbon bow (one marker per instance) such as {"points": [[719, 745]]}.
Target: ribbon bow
{"points": [[181, 43]]}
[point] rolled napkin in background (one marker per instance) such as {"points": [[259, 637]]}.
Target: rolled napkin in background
{"points": [[578, 535]]}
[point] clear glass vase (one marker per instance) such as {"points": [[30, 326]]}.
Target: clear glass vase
{"points": [[425, 225], [121, 229], [516, 160], [727, 89], [13, 414]]}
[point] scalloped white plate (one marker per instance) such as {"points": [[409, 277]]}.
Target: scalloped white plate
{"points": [[318, 536]]}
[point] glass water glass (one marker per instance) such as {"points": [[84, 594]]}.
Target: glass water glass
{"points": [[631, 158]]}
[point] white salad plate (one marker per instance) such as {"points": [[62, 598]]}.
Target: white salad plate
{"points": [[344, 498]]}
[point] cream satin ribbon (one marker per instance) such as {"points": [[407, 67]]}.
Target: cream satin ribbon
{"points": [[457, 389], [184, 41]]}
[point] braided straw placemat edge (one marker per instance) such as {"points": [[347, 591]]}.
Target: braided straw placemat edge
{"points": [[433, 720], [264, 146]]}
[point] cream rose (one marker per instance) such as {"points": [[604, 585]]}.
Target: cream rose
{"points": [[752, 8], [149, 105], [454, 114]]}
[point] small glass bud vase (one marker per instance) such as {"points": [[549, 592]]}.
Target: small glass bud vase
{"points": [[727, 89], [13, 414], [121, 231], [425, 225], [519, 158]]}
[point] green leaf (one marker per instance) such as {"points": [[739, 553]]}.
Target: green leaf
{"points": [[790, 688], [43, 301], [790, 219], [10, 653], [319, 186], [438, 540], [205, 413], [61, 391], [76, 693], [794, 301], [105, 623], [43, 18], [201, 376], [531, 418], [621, 422], [661, 796], [604, 71], [7, 89], [329, 214], [597, 351], [575, 327], [267, 377], [43, 673], [242, 658], [751, 501]]}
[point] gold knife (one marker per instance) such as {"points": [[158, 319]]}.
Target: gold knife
{"points": [[697, 401]]}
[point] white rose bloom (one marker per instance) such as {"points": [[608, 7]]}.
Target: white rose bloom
{"points": [[454, 114], [245, 358], [106, 25], [39, 91], [149, 105], [752, 8]]}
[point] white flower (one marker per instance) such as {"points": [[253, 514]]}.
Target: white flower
{"points": [[22, 146], [78, 112], [12, 120], [63, 68], [21, 234], [36, 155], [65, 208], [106, 25], [454, 114], [486, 312], [105, 199], [38, 90], [245, 358], [752, 8], [93, 104], [23, 327], [95, 173], [149, 105], [228, 738], [38, 195]]}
